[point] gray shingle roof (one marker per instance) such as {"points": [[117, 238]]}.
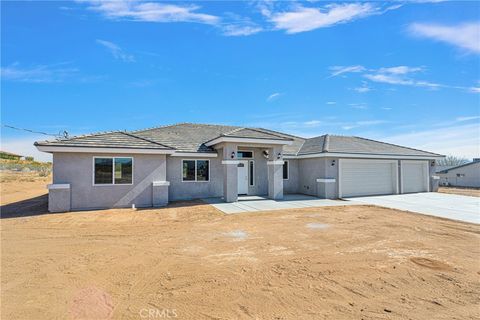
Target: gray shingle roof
{"points": [[116, 139], [458, 167], [357, 145], [190, 137]]}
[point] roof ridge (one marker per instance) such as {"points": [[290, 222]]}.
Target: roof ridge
{"points": [[145, 139], [157, 127], [326, 143], [260, 130], [396, 145], [182, 123], [285, 134], [232, 131]]}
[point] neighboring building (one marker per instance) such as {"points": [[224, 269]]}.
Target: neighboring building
{"points": [[9, 155], [190, 161], [465, 175]]}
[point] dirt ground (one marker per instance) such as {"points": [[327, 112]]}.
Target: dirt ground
{"points": [[189, 261], [461, 191]]}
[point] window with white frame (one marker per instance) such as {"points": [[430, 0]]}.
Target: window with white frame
{"points": [[196, 170], [112, 170], [285, 170]]}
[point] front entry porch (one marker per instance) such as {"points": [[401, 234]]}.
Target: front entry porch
{"points": [[258, 203]]}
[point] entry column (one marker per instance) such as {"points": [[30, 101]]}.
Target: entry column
{"points": [[275, 173], [230, 173]]}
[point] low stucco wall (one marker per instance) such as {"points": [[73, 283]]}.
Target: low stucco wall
{"points": [[76, 169]]}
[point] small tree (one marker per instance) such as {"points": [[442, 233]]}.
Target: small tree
{"points": [[451, 160], [28, 158]]}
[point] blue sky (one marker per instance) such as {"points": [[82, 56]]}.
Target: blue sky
{"points": [[403, 72]]}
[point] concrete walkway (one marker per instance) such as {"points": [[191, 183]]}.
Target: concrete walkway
{"points": [[255, 203], [450, 206]]}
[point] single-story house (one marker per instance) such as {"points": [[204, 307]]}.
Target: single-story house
{"points": [[465, 175], [10, 156], [189, 161]]}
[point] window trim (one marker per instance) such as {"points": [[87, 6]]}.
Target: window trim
{"points": [[196, 166], [253, 175], [288, 169], [113, 172], [246, 150]]}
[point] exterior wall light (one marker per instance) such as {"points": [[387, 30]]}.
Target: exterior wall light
{"points": [[433, 163], [233, 154], [333, 163], [279, 155]]}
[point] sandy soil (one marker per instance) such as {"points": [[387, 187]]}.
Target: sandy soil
{"points": [[190, 261], [460, 191]]}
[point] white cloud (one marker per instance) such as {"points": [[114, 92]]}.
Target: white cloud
{"points": [[465, 36], [338, 70], [116, 51], [461, 119], [364, 123], [274, 96], [331, 102], [400, 70], [398, 75], [360, 106], [463, 140], [363, 89], [302, 19], [240, 30], [151, 11], [38, 73], [25, 147]]}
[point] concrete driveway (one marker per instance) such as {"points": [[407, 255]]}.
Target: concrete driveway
{"points": [[443, 205]]}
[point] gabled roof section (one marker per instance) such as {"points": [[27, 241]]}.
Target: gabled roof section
{"points": [[254, 133], [458, 167], [357, 145], [115, 139], [250, 135], [185, 137]]}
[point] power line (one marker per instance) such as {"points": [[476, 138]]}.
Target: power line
{"points": [[60, 134]]}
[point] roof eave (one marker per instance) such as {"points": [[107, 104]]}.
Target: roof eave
{"points": [[103, 149], [367, 155]]}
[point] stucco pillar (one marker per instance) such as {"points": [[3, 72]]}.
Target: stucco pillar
{"points": [[160, 193], [326, 188], [434, 179], [230, 173], [59, 199], [275, 173]]}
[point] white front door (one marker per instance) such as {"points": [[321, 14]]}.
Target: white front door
{"points": [[243, 177]]}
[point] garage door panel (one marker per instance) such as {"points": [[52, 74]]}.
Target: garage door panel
{"points": [[368, 177], [414, 176]]}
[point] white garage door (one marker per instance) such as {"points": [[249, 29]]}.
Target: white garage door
{"points": [[414, 176], [367, 177]]}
